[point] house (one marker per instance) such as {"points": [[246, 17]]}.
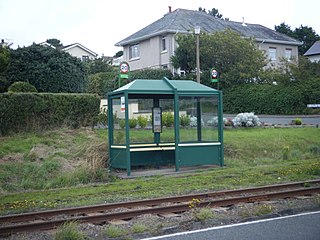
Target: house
{"points": [[153, 46], [313, 53], [76, 50], [79, 51]]}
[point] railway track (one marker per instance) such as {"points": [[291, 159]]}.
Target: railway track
{"points": [[100, 214]]}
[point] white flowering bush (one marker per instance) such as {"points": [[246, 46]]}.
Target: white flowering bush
{"points": [[246, 120], [193, 121], [215, 121]]}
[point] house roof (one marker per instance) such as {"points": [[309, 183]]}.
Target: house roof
{"points": [[66, 48], [184, 21], [314, 49], [165, 86]]}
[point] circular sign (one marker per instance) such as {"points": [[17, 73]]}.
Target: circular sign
{"points": [[214, 74], [124, 67]]}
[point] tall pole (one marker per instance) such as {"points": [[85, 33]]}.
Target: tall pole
{"points": [[197, 33], [198, 59]]}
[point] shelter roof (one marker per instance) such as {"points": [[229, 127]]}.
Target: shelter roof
{"points": [[164, 86]]}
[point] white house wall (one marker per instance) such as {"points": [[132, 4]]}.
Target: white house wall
{"points": [[280, 52], [315, 58], [79, 52], [150, 54]]}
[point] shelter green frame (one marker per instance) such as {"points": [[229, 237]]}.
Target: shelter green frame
{"points": [[182, 154]]}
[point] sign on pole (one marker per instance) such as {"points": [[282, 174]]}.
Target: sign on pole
{"points": [[214, 75], [124, 70]]}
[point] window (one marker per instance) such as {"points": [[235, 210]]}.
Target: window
{"points": [[272, 54], [134, 51], [163, 44], [85, 58], [288, 53], [165, 66]]}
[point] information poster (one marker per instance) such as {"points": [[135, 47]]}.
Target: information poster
{"points": [[157, 120]]}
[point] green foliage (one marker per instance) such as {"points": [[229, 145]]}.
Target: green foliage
{"points": [[150, 73], [48, 69], [167, 119], [139, 228], [202, 214], [101, 83], [69, 231], [236, 59], [142, 121], [297, 121], [289, 98], [4, 62], [39, 111], [113, 231], [98, 65], [214, 12], [122, 123], [21, 87], [101, 119], [184, 120], [133, 122], [55, 42], [304, 34]]}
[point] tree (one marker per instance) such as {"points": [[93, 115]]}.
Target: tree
{"points": [[118, 54], [307, 36], [55, 42], [98, 65], [4, 62], [285, 29], [304, 34], [236, 59], [48, 69]]}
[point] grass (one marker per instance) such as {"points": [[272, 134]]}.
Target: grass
{"points": [[62, 177], [69, 230]]}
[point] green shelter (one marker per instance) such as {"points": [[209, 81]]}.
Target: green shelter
{"points": [[185, 124]]}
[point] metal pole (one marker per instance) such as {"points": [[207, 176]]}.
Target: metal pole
{"points": [[198, 58]]}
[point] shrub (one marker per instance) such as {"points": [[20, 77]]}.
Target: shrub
{"points": [[133, 122], [21, 87], [122, 123], [167, 119], [40, 111], [142, 121], [246, 120], [297, 121], [184, 120]]}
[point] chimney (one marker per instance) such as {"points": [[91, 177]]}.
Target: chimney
{"points": [[243, 23], [169, 9]]}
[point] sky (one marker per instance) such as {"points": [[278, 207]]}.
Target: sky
{"points": [[100, 24]]}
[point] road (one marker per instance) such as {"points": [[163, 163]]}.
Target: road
{"points": [[284, 119], [305, 226]]}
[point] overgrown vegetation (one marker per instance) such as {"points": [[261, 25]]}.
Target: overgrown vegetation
{"points": [[62, 162], [40, 111]]}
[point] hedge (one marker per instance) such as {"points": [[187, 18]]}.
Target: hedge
{"points": [[272, 99], [39, 111]]}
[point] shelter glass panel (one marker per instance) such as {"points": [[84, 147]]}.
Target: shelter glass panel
{"points": [[118, 112], [140, 120], [209, 118], [167, 107], [188, 119]]}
